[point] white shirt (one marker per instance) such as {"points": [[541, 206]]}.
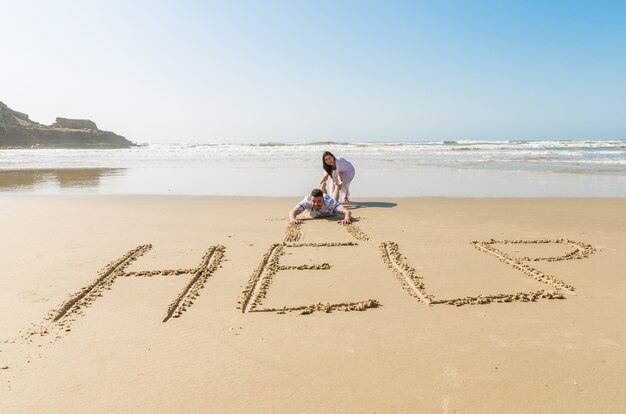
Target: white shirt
{"points": [[329, 207], [344, 167]]}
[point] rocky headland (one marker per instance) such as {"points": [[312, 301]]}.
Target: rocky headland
{"points": [[18, 131]]}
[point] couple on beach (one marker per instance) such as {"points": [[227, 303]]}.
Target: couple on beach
{"points": [[319, 203]]}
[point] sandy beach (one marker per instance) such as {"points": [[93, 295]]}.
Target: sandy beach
{"points": [[208, 304]]}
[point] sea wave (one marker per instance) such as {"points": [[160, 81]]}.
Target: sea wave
{"points": [[488, 154], [497, 144]]}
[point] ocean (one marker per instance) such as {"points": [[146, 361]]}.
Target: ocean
{"points": [[581, 168]]}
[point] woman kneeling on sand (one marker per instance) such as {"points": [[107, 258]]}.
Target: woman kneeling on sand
{"points": [[341, 172]]}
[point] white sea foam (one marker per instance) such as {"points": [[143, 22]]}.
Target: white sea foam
{"points": [[163, 168], [447, 153]]}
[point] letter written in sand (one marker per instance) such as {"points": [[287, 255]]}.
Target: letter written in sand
{"points": [[88, 294], [414, 284], [261, 278]]}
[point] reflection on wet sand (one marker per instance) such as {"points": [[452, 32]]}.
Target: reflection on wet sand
{"points": [[11, 180]]}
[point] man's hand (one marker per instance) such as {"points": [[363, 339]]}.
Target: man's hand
{"points": [[293, 214], [347, 216], [346, 220]]}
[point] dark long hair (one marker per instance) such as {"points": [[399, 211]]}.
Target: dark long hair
{"points": [[326, 167]]}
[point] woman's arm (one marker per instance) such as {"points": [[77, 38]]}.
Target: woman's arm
{"points": [[324, 178], [339, 179]]}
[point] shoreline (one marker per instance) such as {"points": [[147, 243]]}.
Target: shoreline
{"points": [[356, 202], [410, 169]]}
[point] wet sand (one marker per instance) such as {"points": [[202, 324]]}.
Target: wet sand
{"points": [[200, 304]]}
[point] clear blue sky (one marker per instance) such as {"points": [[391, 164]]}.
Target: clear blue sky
{"points": [[250, 71]]}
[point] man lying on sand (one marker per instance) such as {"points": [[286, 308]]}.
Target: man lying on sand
{"points": [[319, 205]]}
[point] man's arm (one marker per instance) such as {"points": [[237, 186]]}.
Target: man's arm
{"points": [[347, 215], [293, 213]]}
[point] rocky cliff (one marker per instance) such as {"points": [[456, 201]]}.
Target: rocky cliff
{"points": [[18, 131]]}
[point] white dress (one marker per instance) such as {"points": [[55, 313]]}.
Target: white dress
{"points": [[346, 169]]}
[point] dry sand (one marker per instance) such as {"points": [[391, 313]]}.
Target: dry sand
{"points": [[160, 305]]}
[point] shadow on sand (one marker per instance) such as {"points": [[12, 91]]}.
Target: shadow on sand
{"points": [[335, 218], [369, 204]]}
